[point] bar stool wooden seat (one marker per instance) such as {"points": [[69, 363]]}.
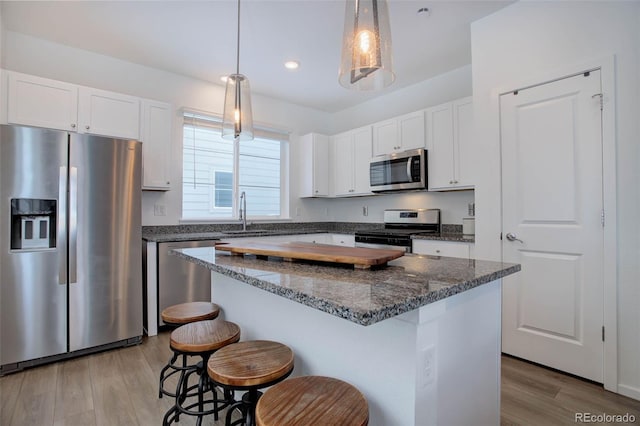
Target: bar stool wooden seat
{"points": [[312, 400], [201, 338], [249, 366], [185, 313]]}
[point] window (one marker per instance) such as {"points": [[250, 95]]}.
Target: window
{"points": [[216, 171]]}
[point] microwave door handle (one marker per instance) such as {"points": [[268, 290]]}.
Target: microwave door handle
{"points": [[409, 170]]}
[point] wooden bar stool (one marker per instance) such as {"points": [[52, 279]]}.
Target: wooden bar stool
{"points": [[202, 339], [312, 400], [176, 316], [249, 366]]}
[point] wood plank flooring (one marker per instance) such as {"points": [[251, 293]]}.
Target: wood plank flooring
{"points": [[120, 387]]}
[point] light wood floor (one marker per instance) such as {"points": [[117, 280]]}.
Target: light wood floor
{"points": [[119, 387]]}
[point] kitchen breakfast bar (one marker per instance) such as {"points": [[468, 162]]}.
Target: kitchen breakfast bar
{"points": [[419, 337]]}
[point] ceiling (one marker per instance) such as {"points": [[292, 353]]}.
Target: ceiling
{"points": [[198, 39]]}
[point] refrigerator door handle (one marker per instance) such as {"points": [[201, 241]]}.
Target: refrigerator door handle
{"points": [[62, 226], [73, 224]]}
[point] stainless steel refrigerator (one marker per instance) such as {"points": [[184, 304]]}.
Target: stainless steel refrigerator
{"points": [[70, 251]]}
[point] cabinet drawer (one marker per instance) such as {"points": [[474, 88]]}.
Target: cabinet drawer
{"points": [[441, 248]]}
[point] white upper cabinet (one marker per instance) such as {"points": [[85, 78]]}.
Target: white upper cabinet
{"points": [[314, 165], [351, 154], [449, 135], [156, 132], [40, 102], [109, 114], [399, 134]]}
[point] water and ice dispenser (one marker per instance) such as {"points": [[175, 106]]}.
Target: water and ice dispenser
{"points": [[33, 224]]}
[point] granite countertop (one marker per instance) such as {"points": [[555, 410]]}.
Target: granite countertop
{"points": [[361, 296], [217, 235], [199, 232], [446, 236]]}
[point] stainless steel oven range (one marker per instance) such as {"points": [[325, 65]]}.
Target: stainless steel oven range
{"points": [[399, 226]]}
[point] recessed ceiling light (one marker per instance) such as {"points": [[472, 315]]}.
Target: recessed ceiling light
{"points": [[292, 65]]}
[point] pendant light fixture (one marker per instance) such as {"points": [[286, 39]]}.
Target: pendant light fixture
{"points": [[237, 120], [366, 46]]}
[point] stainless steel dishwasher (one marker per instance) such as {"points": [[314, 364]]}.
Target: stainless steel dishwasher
{"points": [[180, 281]]}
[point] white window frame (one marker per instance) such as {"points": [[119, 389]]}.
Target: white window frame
{"points": [[262, 132]]}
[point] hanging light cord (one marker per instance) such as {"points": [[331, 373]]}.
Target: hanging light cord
{"points": [[238, 43]]}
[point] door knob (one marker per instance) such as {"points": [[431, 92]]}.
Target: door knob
{"points": [[512, 237]]}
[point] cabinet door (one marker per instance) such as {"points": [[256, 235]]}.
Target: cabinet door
{"points": [[361, 140], [109, 114], [346, 240], [411, 128], [385, 137], [463, 137], [440, 146], [342, 164], [41, 102], [441, 248], [320, 166], [314, 165], [157, 119]]}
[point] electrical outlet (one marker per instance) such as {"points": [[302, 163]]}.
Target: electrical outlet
{"points": [[297, 211], [326, 211], [159, 210], [428, 366], [365, 210]]}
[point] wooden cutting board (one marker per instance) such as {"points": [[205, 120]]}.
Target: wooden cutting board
{"points": [[359, 257]]}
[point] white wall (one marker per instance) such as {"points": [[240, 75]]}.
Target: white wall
{"points": [[528, 40], [443, 88], [42, 58], [446, 87]]}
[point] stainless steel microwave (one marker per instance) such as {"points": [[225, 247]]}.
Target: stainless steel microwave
{"points": [[401, 171]]}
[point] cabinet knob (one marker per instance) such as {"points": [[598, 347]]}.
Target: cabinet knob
{"points": [[437, 251], [450, 182], [168, 182], [87, 127], [73, 126], [316, 191]]}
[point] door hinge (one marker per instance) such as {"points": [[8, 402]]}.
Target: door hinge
{"points": [[601, 96], [603, 333], [602, 217]]}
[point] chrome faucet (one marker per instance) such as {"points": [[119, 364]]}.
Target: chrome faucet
{"points": [[243, 210]]}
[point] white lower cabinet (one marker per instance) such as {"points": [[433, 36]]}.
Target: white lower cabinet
{"points": [[347, 240], [442, 248], [319, 238]]}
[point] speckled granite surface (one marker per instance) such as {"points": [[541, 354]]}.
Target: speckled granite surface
{"points": [[198, 232], [361, 296], [457, 237]]}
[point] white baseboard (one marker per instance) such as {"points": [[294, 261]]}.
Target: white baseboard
{"points": [[630, 391]]}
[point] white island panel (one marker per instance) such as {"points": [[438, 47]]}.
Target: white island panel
{"points": [[439, 364]]}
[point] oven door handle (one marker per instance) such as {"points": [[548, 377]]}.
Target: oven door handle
{"points": [[409, 177]]}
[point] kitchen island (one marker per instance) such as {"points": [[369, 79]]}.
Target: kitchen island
{"points": [[419, 337]]}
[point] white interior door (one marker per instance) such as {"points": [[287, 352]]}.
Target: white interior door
{"points": [[552, 207]]}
